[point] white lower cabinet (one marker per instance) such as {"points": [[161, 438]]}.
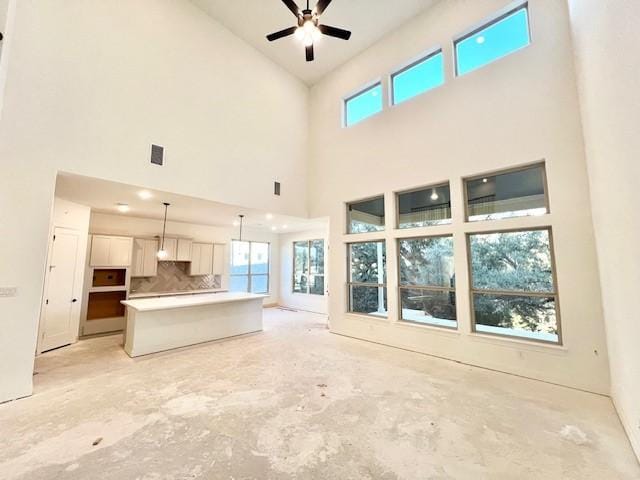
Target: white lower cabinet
{"points": [[145, 259], [108, 251], [201, 259]]}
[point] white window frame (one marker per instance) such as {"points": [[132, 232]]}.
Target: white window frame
{"points": [[487, 23], [369, 86], [427, 288], [382, 287], [516, 293], [423, 57], [308, 271], [249, 274]]}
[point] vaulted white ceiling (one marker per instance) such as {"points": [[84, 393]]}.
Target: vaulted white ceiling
{"points": [[104, 196], [368, 20]]}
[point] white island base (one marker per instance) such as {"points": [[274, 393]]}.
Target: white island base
{"points": [[159, 324]]}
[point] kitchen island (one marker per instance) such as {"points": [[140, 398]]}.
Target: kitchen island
{"points": [[159, 324]]}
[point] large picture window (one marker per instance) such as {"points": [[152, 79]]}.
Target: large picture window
{"points": [[427, 281], [491, 42], [367, 278], [513, 285], [308, 267], [249, 267]]}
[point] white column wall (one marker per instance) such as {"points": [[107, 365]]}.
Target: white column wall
{"points": [[607, 41]]}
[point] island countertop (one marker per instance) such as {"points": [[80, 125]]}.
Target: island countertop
{"points": [[175, 293], [183, 301]]}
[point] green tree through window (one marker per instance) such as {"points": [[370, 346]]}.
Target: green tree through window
{"points": [[513, 284]]}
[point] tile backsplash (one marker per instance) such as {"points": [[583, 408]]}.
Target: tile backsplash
{"points": [[173, 277]]}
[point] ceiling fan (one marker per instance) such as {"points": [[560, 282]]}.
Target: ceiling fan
{"points": [[309, 28]]}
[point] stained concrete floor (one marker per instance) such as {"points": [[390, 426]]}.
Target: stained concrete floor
{"points": [[296, 402]]}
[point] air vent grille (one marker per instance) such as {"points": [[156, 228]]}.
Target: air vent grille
{"points": [[157, 154]]}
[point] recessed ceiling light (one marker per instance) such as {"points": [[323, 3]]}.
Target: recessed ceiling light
{"points": [[484, 180], [123, 207], [434, 196], [480, 40], [269, 216], [274, 228], [145, 194], [284, 227]]}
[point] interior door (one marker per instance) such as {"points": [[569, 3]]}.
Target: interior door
{"points": [[59, 301]]}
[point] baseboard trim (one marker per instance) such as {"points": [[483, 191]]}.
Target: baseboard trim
{"points": [[298, 309], [632, 430], [461, 362]]}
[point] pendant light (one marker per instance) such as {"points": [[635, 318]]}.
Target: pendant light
{"points": [[162, 253], [241, 221]]}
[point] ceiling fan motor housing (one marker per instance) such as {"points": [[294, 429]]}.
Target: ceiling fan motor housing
{"points": [[307, 16]]}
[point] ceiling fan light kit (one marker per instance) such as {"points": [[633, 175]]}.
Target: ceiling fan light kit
{"points": [[309, 29]]}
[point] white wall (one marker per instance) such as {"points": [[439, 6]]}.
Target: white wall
{"points": [[301, 301], [7, 16], [607, 40], [521, 109], [90, 84], [102, 223]]}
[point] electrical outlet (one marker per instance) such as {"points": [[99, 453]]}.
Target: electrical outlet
{"points": [[8, 291]]}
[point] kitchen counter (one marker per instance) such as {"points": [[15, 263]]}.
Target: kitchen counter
{"points": [[164, 323], [182, 301], [174, 293]]}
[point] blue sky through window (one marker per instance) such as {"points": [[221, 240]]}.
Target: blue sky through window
{"points": [[419, 78], [363, 105], [494, 42]]}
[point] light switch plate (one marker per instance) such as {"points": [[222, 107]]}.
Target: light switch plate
{"points": [[8, 291]]}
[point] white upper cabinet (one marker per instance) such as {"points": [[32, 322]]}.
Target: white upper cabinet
{"points": [[218, 259], [184, 250], [201, 259], [145, 260], [100, 247], [171, 247], [108, 251], [178, 249]]}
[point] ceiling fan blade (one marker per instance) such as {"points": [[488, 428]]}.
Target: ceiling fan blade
{"points": [[321, 6], [310, 56], [335, 32], [291, 5], [282, 33]]}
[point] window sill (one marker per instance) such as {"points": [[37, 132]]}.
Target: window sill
{"points": [[514, 342], [430, 328], [365, 316]]}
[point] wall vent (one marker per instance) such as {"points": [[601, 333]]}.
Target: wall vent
{"points": [[157, 154], [276, 188]]}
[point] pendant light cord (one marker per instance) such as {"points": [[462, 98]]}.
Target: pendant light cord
{"points": [[164, 225], [241, 220]]}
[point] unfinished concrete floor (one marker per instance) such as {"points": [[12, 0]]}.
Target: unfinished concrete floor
{"points": [[298, 402]]}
